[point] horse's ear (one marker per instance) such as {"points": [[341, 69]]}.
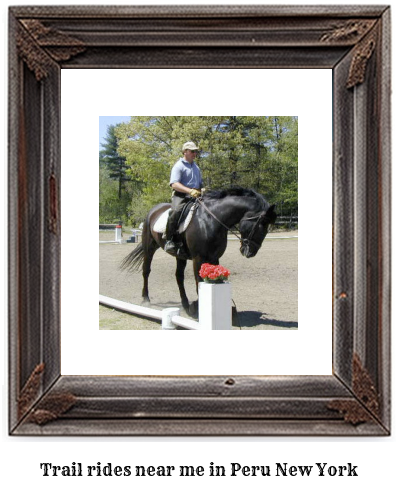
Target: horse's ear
{"points": [[271, 215]]}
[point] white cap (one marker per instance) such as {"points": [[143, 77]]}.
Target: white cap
{"points": [[189, 146]]}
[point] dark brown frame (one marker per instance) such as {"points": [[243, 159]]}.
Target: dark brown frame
{"points": [[353, 41]]}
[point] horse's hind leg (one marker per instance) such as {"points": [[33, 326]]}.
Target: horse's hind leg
{"points": [[180, 267], [149, 254]]}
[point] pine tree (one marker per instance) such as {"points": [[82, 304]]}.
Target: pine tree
{"points": [[112, 161], [116, 185]]}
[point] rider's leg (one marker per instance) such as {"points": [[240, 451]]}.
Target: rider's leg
{"points": [[178, 203]]}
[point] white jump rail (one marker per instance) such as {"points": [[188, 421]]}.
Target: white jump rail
{"points": [[131, 308], [214, 310], [170, 317]]}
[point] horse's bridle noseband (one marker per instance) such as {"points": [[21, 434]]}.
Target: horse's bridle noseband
{"points": [[248, 240]]}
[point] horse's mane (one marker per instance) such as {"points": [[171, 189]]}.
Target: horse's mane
{"points": [[217, 194]]}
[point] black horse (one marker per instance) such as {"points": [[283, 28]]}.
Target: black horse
{"points": [[205, 239]]}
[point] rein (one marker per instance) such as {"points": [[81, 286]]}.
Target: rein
{"points": [[243, 241]]}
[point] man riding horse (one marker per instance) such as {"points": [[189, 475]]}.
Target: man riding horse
{"points": [[205, 239], [186, 182]]}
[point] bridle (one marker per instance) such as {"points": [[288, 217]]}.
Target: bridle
{"points": [[248, 240]]}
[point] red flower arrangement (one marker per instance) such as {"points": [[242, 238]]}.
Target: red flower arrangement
{"points": [[212, 273]]}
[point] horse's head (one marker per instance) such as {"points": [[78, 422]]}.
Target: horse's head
{"points": [[253, 230]]}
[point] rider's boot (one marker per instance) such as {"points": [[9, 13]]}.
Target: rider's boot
{"points": [[170, 247]]}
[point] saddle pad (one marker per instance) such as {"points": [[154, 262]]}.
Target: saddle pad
{"points": [[160, 224]]}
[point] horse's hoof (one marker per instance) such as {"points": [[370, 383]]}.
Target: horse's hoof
{"points": [[193, 310], [145, 301]]}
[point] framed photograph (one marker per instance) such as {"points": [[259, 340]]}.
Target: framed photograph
{"points": [[352, 43], [248, 166], [264, 288]]}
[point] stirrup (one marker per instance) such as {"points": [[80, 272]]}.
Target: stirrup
{"points": [[170, 247]]}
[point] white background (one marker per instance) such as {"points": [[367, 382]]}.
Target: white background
{"points": [[376, 458], [303, 93]]}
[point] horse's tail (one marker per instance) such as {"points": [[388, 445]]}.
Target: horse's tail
{"points": [[134, 260]]}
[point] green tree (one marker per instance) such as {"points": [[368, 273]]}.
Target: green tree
{"points": [[259, 152], [284, 164], [116, 184], [112, 160]]}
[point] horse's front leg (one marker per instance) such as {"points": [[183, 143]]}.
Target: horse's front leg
{"points": [[180, 267], [197, 262]]}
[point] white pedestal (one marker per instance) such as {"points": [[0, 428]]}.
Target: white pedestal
{"points": [[214, 306], [167, 316]]}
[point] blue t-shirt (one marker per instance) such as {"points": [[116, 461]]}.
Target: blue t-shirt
{"points": [[187, 174]]}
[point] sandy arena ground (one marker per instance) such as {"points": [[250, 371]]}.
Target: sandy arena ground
{"points": [[264, 288]]}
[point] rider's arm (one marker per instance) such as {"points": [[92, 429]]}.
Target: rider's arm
{"points": [[180, 188]]}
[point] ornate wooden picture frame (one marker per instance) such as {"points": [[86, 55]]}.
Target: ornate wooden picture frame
{"points": [[352, 41]]}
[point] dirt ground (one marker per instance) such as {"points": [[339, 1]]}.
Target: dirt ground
{"points": [[264, 288]]}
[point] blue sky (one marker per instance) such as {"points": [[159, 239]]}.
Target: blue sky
{"points": [[105, 121]]}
